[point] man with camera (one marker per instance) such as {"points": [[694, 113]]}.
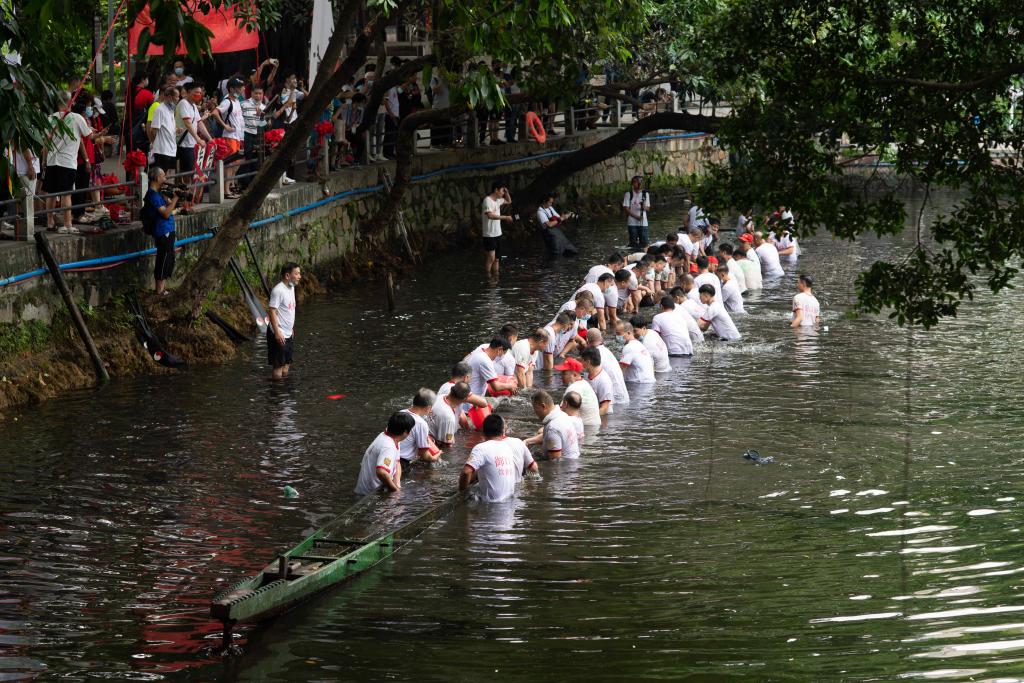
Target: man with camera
{"points": [[158, 210]]}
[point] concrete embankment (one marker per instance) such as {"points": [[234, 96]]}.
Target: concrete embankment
{"points": [[314, 224]]}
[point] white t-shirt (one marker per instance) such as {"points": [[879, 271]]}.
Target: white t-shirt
{"points": [[590, 410], [521, 355], [753, 257], [610, 366], [696, 217], [483, 372], [503, 365], [655, 346], [736, 274], [731, 297], [696, 334], [165, 141], [751, 274], [391, 100], [611, 297], [417, 439], [637, 203], [187, 110], [692, 305], [291, 113], [808, 303], [708, 278], [560, 435], [595, 290], [492, 226], [721, 323], [638, 362], [621, 295], [443, 421], [445, 389], [691, 248], [552, 345], [282, 299], [673, 330], [769, 258], [382, 454], [603, 388], [498, 469], [231, 112], [21, 166], [596, 272], [545, 215], [63, 147]]}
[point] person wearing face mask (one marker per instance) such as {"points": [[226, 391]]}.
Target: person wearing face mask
{"points": [[163, 132], [636, 362], [195, 132], [282, 320], [180, 77], [229, 115], [286, 109]]}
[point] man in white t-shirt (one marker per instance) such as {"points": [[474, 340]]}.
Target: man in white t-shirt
{"points": [[229, 115], [558, 436], [190, 119], [751, 270], [653, 342], [690, 309], [637, 364], [768, 255], [635, 205], [163, 132], [418, 446], [484, 378], [462, 372], [60, 157], [695, 218], [715, 316], [571, 405], [446, 414], [495, 465], [380, 466], [729, 291], [282, 320], [704, 275], [524, 353], [600, 381], [612, 265], [735, 270], [572, 377], [672, 328], [806, 309], [491, 230], [610, 365]]}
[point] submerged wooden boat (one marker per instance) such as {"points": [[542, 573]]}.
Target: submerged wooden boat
{"points": [[322, 560]]}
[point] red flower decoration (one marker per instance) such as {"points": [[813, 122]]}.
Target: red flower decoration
{"points": [[324, 128], [220, 149], [133, 161]]}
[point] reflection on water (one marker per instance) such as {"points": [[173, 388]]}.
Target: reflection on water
{"points": [[883, 542]]}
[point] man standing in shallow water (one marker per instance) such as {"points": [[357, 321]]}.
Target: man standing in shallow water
{"points": [[282, 320]]}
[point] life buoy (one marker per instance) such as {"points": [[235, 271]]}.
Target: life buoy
{"points": [[504, 379], [535, 128], [476, 416]]}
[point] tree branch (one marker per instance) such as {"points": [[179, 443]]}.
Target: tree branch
{"points": [[947, 86]]}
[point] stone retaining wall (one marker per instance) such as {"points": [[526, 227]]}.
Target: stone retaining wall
{"points": [[445, 204]]}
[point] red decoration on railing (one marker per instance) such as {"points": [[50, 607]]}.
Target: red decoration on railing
{"points": [[274, 137], [220, 149], [133, 161]]}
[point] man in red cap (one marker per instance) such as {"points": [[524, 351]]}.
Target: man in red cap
{"points": [[572, 377]]}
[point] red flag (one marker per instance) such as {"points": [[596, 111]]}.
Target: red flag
{"points": [[228, 36]]}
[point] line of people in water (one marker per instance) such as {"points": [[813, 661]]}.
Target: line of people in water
{"points": [[692, 282]]}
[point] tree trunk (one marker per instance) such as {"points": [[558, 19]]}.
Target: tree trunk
{"points": [[552, 176], [388, 81], [205, 276]]}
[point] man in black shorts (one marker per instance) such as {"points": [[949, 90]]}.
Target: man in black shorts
{"points": [[492, 220], [61, 155], [282, 320]]}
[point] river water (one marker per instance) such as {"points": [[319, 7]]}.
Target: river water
{"points": [[883, 543]]}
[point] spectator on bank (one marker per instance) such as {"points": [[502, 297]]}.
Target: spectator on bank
{"points": [[163, 131], [286, 104], [342, 104], [257, 80], [158, 220], [354, 118], [181, 77], [60, 156], [440, 133], [88, 172], [392, 116], [232, 121], [253, 115], [195, 132]]}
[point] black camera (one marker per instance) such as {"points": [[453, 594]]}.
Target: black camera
{"points": [[171, 191]]}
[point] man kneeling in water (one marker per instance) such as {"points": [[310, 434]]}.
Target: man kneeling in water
{"points": [[497, 464], [380, 461], [558, 434]]}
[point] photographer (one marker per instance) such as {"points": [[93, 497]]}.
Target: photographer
{"points": [[158, 220]]}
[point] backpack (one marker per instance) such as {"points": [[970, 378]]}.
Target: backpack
{"points": [[148, 216]]}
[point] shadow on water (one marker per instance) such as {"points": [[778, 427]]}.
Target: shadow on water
{"points": [[883, 542]]}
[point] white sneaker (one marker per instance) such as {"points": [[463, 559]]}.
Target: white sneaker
{"points": [[287, 181], [101, 211]]}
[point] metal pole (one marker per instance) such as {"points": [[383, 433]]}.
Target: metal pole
{"points": [[43, 245], [473, 134], [570, 120], [617, 114], [217, 191], [110, 50]]}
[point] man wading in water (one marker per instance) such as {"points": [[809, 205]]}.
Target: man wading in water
{"points": [[282, 320]]}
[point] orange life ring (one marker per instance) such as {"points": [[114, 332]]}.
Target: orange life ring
{"points": [[504, 379], [535, 128], [477, 415]]}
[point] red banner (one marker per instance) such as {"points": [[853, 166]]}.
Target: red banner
{"points": [[228, 36]]}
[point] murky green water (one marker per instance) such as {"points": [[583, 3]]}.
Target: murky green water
{"points": [[884, 543]]}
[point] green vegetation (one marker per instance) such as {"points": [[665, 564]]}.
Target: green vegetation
{"points": [[24, 337]]}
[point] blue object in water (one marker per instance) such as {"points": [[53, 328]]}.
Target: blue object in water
{"points": [[757, 458], [289, 492]]}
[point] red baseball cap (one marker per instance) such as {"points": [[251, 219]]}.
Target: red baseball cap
{"points": [[747, 237], [712, 259], [570, 364], [693, 268]]}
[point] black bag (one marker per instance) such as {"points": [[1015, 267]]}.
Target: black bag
{"points": [[148, 216]]}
